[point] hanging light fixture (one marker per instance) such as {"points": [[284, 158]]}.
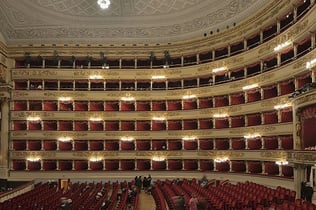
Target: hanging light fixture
{"points": [[104, 4]]}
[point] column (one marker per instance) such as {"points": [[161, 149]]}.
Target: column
{"points": [[299, 177], [4, 142]]}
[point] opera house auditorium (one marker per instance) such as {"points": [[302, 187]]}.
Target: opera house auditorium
{"points": [[138, 105]]}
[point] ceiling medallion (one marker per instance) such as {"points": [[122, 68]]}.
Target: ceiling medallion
{"points": [[104, 4]]}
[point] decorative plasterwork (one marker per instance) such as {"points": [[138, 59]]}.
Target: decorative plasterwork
{"points": [[126, 21]]}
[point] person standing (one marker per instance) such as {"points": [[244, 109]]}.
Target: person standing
{"points": [[309, 191], [193, 202]]}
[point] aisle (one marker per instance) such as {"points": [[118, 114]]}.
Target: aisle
{"points": [[146, 202]]}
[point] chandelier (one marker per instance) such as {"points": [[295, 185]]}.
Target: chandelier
{"points": [[104, 4]]}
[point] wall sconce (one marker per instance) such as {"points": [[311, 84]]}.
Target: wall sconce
{"points": [[33, 159], [127, 138], [65, 138], [221, 160], [282, 162]]}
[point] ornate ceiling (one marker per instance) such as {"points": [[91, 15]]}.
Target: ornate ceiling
{"points": [[125, 22]]}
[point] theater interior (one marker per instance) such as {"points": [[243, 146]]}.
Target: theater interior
{"points": [[95, 93]]}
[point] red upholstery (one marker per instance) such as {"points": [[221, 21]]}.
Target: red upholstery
{"points": [[143, 125], [80, 165], [206, 123], [127, 145], [174, 144], [143, 164], [19, 145], [96, 145], [34, 145], [49, 165], [238, 143], [190, 144], [206, 165], [111, 145], [143, 145], [127, 165], [221, 144], [49, 145], [174, 165], [206, 144]]}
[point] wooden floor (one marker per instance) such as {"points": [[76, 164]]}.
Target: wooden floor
{"points": [[146, 202]]}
